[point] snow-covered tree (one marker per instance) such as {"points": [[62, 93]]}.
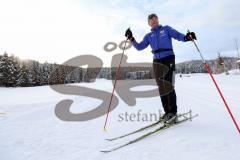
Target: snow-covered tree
{"points": [[45, 71], [23, 80], [35, 73], [9, 70]]}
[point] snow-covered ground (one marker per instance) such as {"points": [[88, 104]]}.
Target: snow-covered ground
{"points": [[30, 129], [235, 71]]}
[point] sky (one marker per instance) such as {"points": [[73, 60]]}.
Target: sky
{"points": [[58, 30]]}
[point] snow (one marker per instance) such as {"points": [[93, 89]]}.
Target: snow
{"points": [[30, 129], [235, 71]]}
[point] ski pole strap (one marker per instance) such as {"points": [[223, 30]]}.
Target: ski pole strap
{"points": [[161, 50]]}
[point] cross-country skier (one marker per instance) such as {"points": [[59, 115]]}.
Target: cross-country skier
{"points": [[160, 40]]}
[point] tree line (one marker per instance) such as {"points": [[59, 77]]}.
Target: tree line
{"points": [[26, 73], [15, 72]]}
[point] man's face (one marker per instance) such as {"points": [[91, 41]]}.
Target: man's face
{"points": [[153, 22]]}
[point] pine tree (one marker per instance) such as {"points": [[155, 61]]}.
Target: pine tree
{"points": [[8, 71], [45, 73], [35, 73], [16, 69], [23, 80], [53, 74]]}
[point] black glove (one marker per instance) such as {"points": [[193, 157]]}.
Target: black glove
{"points": [[190, 36], [129, 35]]}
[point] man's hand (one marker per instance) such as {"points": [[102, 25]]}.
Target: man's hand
{"points": [[190, 36], [129, 35]]}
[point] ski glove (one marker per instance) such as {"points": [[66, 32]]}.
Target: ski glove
{"points": [[190, 36], [129, 35]]}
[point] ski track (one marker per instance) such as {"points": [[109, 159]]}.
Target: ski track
{"points": [[31, 131]]}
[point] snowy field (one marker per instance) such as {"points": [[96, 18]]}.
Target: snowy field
{"points": [[30, 129]]}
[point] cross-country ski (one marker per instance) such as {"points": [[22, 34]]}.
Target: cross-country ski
{"points": [[163, 127], [145, 127]]}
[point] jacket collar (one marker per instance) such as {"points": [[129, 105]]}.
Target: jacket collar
{"points": [[157, 28]]}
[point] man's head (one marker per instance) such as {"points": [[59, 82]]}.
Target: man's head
{"points": [[153, 20]]}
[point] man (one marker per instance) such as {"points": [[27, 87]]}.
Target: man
{"points": [[160, 40]]}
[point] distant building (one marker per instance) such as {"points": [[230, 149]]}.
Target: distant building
{"points": [[238, 62], [138, 75]]}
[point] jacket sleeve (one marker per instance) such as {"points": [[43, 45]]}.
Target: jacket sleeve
{"points": [[175, 34], [142, 45]]}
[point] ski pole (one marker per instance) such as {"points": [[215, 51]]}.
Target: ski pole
{"points": [[114, 86], [216, 85]]}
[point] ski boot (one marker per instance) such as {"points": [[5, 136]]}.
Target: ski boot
{"points": [[169, 118]]}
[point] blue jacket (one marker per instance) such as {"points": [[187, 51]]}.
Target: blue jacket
{"points": [[159, 38]]}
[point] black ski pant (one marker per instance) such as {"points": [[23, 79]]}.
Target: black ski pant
{"points": [[164, 72]]}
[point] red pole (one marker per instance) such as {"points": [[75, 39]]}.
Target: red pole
{"points": [[216, 85], [219, 91], [110, 102], [114, 86]]}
